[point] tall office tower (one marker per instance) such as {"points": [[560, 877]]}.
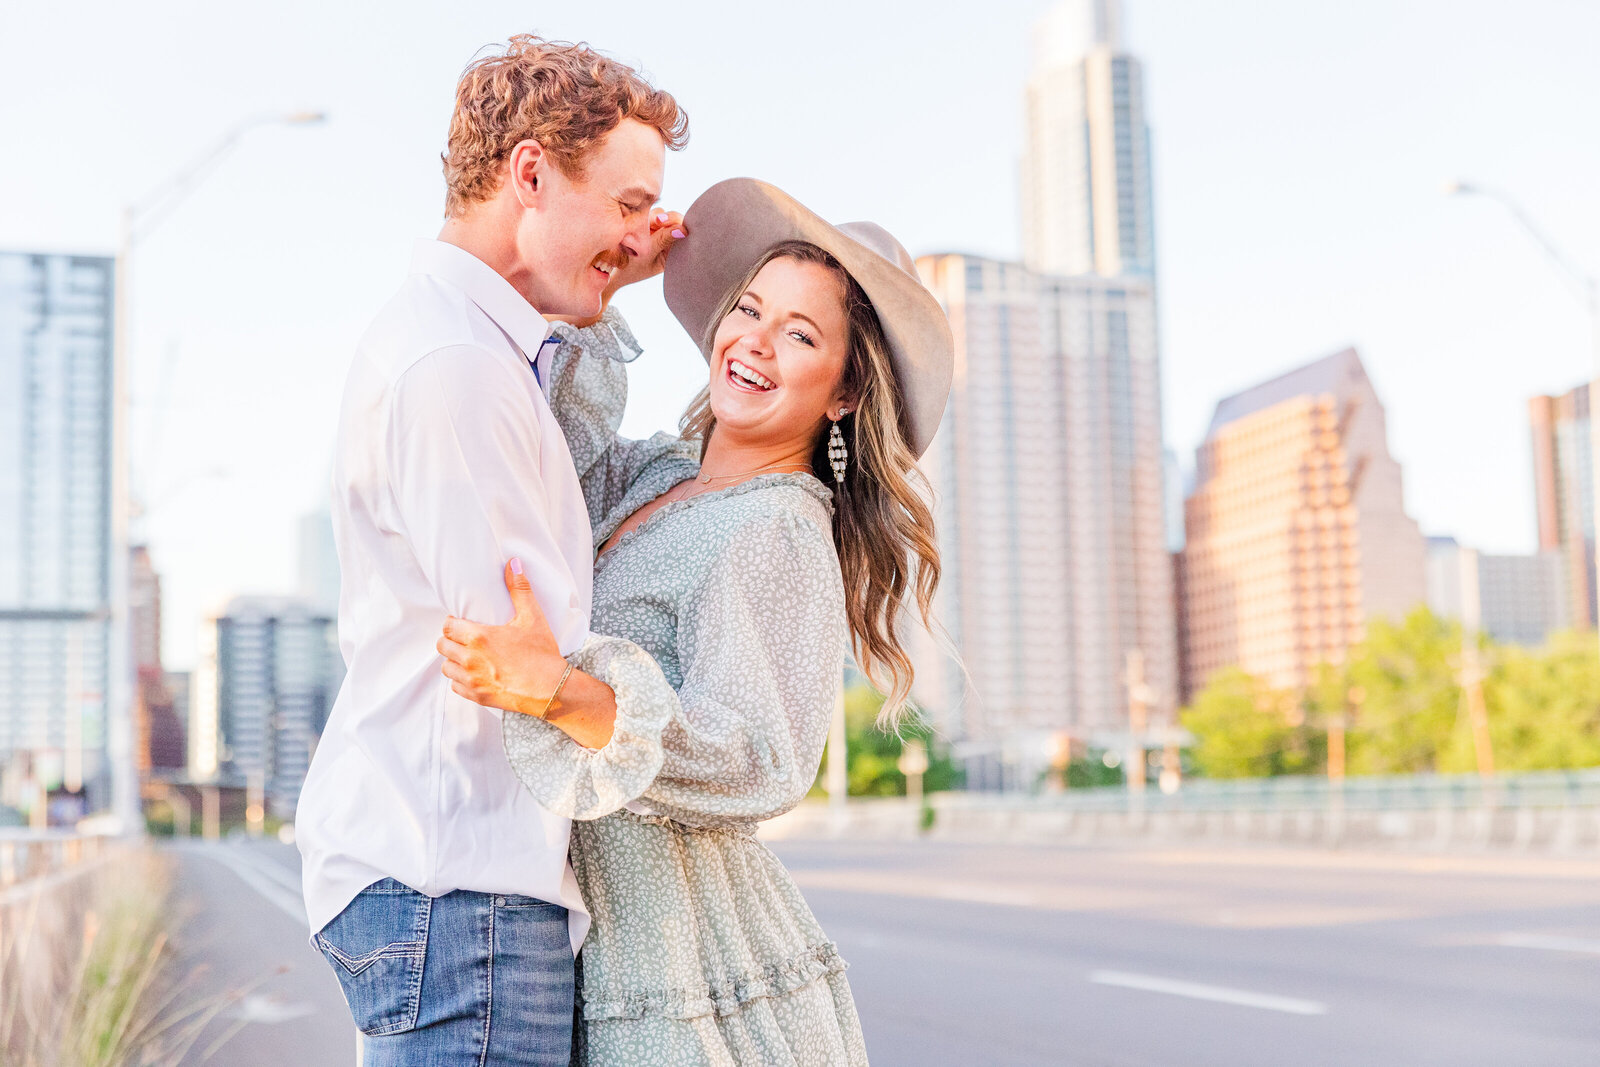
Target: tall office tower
{"points": [[1297, 531], [268, 674], [1563, 478], [55, 518], [1049, 473], [318, 563], [1087, 206]]}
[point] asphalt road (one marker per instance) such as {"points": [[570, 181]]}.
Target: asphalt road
{"points": [[1001, 955]]}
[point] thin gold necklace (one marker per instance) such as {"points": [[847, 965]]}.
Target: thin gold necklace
{"points": [[707, 479]]}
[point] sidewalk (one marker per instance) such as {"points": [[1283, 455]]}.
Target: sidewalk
{"points": [[240, 917]]}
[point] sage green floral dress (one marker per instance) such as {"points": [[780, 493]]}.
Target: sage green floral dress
{"points": [[702, 950]]}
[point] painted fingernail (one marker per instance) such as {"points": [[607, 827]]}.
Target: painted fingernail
{"points": [[661, 218], [516, 565], [679, 234]]}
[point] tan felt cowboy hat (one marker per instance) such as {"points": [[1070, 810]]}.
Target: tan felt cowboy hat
{"points": [[734, 222]]}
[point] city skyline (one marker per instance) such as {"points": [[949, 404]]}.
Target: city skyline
{"points": [[1300, 155]]}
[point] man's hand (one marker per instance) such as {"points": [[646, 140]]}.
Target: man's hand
{"points": [[666, 229]]}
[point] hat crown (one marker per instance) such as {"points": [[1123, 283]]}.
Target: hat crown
{"points": [[877, 239], [738, 220]]}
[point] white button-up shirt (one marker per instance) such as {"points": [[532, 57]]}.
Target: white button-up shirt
{"points": [[448, 463]]}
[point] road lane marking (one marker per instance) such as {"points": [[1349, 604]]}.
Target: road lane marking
{"points": [[258, 1008], [1043, 896], [267, 884], [1218, 994], [1550, 941]]}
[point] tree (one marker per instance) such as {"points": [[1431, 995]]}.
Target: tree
{"points": [[1246, 729], [874, 754], [1410, 694], [1544, 708]]}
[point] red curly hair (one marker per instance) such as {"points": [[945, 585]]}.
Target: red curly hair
{"points": [[567, 97]]}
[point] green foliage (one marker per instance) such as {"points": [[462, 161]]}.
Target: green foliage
{"points": [[874, 753], [1246, 729], [90, 977], [1544, 708], [1401, 696], [1410, 695], [1091, 771]]}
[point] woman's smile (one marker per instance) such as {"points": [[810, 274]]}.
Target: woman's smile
{"points": [[745, 377]]}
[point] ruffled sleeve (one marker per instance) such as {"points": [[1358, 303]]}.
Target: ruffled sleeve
{"points": [[581, 783], [588, 392], [762, 643]]}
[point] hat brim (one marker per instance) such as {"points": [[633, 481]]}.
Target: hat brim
{"points": [[732, 224]]}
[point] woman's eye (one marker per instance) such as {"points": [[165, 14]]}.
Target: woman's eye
{"points": [[801, 336], [748, 310]]}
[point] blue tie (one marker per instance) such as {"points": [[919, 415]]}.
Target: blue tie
{"points": [[534, 361]]}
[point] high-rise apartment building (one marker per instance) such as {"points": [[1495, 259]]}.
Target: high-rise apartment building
{"points": [[1087, 206], [268, 674], [1563, 479], [55, 518], [1050, 477], [1516, 600], [1296, 531]]}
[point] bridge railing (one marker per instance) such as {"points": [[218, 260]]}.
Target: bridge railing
{"points": [[1418, 792], [30, 856]]}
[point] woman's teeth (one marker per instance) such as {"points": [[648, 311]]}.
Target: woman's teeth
{"points": [[750, 377]]}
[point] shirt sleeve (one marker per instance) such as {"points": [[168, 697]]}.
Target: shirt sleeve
{"points": [[762, 645], [465, 457], [588, 392]]}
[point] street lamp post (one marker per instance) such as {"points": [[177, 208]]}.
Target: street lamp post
{"points": [[138, 218], [1587, 290]]}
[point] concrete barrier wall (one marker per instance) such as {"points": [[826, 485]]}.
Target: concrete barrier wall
{"points": [[958, 817]]}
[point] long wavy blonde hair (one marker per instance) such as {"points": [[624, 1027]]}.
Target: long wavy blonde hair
{"points": [[882, 522]]}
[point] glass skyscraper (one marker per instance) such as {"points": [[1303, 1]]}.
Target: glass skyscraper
{"points": [[1058, 585], [55, 521], [1087, 206]]}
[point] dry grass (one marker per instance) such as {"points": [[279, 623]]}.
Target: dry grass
{"points": [[88, 976]]}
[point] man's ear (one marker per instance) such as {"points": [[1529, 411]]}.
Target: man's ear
{"points": [[526, 172]]}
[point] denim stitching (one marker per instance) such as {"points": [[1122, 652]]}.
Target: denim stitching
{"points": [[356, 964], [488, 998], [424, 924]]}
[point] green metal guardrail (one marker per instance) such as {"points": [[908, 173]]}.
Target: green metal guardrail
{"points": [[1532, 789]]}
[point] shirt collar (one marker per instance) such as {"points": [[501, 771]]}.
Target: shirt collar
{"points": [[484, 286]]}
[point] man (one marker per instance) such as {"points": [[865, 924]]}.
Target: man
{"points": [[435, 886]]}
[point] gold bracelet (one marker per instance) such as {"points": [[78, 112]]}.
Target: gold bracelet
{"points": [[544, 711]]}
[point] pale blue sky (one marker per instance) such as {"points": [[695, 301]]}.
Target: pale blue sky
{"points": [[1299, 152]]}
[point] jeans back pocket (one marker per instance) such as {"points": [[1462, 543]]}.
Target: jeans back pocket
{"points": [[377, 946]]}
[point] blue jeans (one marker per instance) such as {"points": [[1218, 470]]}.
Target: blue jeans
{"points": [[466, 978]]}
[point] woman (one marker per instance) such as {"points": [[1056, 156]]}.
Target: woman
{"points": [[741, 576]]}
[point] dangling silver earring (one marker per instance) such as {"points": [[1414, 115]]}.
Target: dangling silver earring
{"points": [[838, 454]]}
